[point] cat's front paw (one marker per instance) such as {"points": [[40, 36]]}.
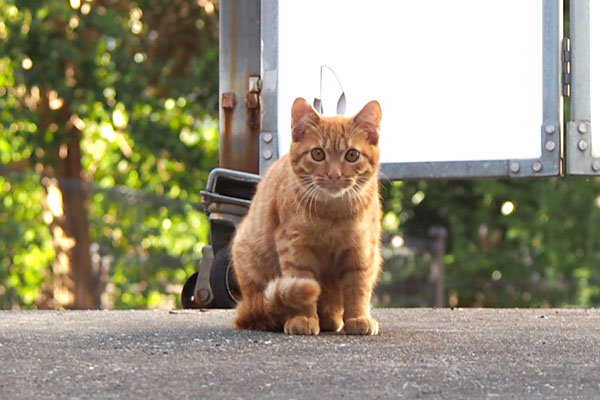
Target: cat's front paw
{"points": [[302, 326], [361, 326]]}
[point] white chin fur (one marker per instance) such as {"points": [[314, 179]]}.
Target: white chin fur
{"points": [[336, 193]]}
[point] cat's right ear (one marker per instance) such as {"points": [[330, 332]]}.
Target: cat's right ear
{"points": [[303, 114], [369, 118]]}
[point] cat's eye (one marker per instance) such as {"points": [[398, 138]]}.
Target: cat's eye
{"points": [[317, 154], [352, 155]]}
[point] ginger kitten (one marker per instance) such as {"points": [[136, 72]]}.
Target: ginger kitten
{"points": [[307, 254]]}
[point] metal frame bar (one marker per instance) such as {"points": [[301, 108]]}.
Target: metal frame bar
{"points": [[268, 141], [549, 164], [580, 160], [239, 84]]}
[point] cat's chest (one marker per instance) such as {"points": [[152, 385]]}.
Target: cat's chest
{"points": [[334, 239]]}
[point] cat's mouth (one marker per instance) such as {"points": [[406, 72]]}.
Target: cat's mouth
{"points": [[335, 188], [328, 188]]}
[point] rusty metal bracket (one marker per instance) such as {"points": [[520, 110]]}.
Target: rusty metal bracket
{"points": [[228, 101]]}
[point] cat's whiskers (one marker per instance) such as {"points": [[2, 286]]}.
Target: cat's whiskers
{"points": [[313, 202], [358, 187], [352, 200], [308, 196], [304, 196], [385, 177], [357, 198]]}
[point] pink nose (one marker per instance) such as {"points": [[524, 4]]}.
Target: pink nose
{"points": [[334, 174]]}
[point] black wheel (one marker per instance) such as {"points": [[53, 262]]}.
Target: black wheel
{"points": [[223, 282], [188, 299]]}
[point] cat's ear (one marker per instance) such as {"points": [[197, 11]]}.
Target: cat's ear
{"points": [[302, 115], [369, 119]]}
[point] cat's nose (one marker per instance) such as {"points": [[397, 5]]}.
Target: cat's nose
{"points": [[334, 174]]}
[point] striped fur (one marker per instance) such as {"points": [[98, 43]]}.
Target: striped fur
{"points": [[307, 254]]}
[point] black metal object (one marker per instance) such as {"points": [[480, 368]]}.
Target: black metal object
{"points": [[226, 200]]}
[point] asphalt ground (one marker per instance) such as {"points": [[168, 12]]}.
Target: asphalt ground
{"points": [[420, 354]]}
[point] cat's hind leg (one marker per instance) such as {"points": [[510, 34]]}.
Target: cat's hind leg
{"points": [[251, 314], [287, 303]]}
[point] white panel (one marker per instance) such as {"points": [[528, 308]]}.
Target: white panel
{"points": [[457, 80], [594, 80]]}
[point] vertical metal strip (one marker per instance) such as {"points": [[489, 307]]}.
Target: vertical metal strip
{"points": [[580, 66], [552, 32], [579, 129], [239, 59], [269, 143], [551, 143]]}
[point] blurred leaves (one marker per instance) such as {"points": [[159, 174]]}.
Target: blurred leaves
{"points": [[512, 243], [26, 246], [139, 79]]}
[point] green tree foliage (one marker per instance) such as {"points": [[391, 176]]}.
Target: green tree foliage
{"points": [[135, 84], [25, 244], [511, 242]]}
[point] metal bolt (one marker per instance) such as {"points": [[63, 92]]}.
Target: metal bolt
{"points": [[550, 129], [267, 154], [515, 167], [550, 145], [202, 296], [583, 145], [582, 128], [537, 166], [267, 137], [596, 165]]}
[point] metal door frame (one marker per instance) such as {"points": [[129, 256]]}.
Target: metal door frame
{"points": [[579, 158], [549, 164]]}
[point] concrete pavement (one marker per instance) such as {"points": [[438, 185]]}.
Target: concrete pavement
{"points": [[420, 354]]}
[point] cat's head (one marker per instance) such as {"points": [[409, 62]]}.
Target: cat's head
{"points": [[337, 155]]}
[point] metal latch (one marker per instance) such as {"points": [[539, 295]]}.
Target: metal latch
{"points": [[566, 67], [253, 101]]}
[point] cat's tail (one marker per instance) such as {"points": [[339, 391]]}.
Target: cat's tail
{"points": [[283, 298], [291, 295]]}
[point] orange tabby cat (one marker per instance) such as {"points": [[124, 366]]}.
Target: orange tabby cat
{"points": [[307, 255]]}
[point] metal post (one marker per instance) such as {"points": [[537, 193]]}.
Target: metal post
{"points": [[580, 70], [239, 84], [439, 234], [580, 159], [269, 141]]}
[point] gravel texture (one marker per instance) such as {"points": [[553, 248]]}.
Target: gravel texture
{"points": [[420, 353]]}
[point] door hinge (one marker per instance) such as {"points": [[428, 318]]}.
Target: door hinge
{"points": [[253, 101], [566, 67]]}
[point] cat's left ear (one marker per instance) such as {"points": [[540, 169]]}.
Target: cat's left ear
{"points": [[369, 119]]}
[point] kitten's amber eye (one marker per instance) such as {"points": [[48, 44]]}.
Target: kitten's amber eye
{"points": [[317, 154], [352, 155]]}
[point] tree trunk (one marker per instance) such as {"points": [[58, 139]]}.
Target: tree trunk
{"points": [[74, 279]]}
